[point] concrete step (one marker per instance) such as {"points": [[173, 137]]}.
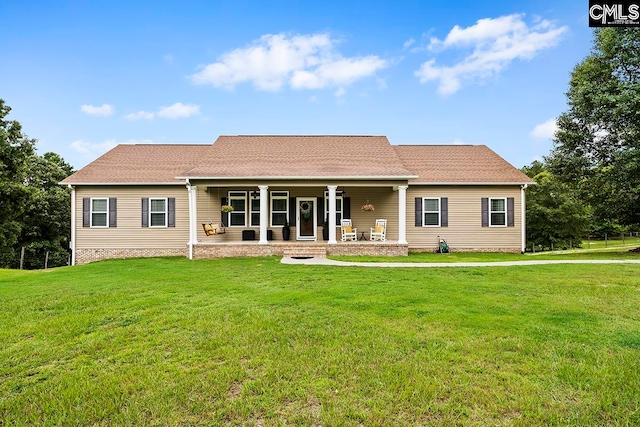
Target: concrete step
{"points": [[306, 251]]}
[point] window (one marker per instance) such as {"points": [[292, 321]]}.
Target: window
{"points": [[498, 212], [338, 207], [238, 200], [255, 210], [99, 212], [431, 212], [279, 208], [158, 212]]}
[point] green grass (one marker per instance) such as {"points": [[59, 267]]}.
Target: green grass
{"points": [[253, 342]]}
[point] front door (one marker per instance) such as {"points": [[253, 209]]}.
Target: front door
{"points": [[306, 218]]}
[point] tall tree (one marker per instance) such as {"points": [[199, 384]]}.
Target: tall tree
{"points": [[555, 216], [15, 152], [597, 145]]}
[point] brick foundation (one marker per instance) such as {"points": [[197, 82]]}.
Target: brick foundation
{"points": [[84, 256]]}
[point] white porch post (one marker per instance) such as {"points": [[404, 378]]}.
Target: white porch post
{"points": [[332, 213], [264, 206], [193, 218], [72, 243], [402, 214]]}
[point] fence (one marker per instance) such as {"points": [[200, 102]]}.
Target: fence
{"points": [[605, 241], [39, 258]]}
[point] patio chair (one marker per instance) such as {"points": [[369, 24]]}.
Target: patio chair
{"points": [[379, 232], [348, 231]]}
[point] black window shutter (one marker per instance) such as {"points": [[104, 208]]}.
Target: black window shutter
{"points": [[418, 211], [171, 209], [292, 211], [346, 207], [320, 212], [113, 212], [485, 212], [86, 212], [444, 212], [224, 218], [510, 218], [145, 212]]}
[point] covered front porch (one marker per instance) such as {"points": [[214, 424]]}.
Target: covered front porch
{"points": [[312, 213]]}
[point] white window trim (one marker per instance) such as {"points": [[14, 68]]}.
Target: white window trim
{"points": [[424, 211], [91, 213], [491, 211], [249, 204], [238, 195], [326, 208], [166, 212], [271, 211]]}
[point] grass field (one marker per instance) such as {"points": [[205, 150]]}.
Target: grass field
{"points": [[253, 342]]}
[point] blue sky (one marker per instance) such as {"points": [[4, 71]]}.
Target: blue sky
{"points": [[82, 76]]}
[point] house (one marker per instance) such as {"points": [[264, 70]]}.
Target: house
{"points": [[153, 199]]}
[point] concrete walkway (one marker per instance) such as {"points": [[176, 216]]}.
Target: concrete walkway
{"points": [[325, 261]]}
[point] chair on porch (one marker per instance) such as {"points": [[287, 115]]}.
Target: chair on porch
{"points": [[348, 232], [379, 232]]}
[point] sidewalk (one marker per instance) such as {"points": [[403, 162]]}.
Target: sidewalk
{"points": [[325, 261]]}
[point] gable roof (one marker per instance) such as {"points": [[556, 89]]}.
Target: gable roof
{"points": [[301, 157], [449, 164], [140, 164], [298, 157]]}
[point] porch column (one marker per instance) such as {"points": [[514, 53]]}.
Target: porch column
{"points": [[402, 214], [332, 214], [264, 206], [193, 218], [72, 243]]}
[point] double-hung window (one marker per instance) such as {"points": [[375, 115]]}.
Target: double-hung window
{"points": [[431, 211], [238, 200], [279, 208], [99, 212], [158, 212], [498, 212], [339, 205]]}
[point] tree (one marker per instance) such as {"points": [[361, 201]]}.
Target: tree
{"points": [[597, 145], [15, 152], [34, 208], [555, 216]]}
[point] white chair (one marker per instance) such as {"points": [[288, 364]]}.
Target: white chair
{"points": [[348, 231], [379, 232]]}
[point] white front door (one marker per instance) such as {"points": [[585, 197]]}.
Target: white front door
{"points": [[306, 226]]}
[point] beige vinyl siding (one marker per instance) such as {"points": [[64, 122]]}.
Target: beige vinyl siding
{"points": [[384, 199], [129, 234], [465, 229]]}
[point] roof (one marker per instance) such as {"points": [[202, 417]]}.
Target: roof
{"points": [[298, 157], [470, 164], [304, 157], [140, 164]]}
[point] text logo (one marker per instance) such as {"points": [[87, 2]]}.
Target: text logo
{"points": [[614, 14]]}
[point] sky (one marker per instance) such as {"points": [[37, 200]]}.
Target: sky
{"points": [[83, 76]]}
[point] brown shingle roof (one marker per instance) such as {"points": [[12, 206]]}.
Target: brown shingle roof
{"points": [[140, 163], [458, 164], [301, 156]]}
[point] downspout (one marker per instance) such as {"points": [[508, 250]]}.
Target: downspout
{"points": [[72, 242], [190, 201], [523, 221]]}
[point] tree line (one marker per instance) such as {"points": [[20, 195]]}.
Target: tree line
{"points": [[590, 182], [34, 208]]}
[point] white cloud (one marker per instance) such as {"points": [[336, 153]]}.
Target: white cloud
{"points": [[458, 142], [98, 111], [495, 43], [408, 43], [178, 111], [313, 99], [140, 115], [546, 130], [92, 150], [340, 92], [301, 62]]}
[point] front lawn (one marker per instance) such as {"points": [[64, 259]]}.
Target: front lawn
{"points": [[253, 342]]}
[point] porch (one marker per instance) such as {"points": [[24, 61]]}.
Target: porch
{"points": [[203, 250]]}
